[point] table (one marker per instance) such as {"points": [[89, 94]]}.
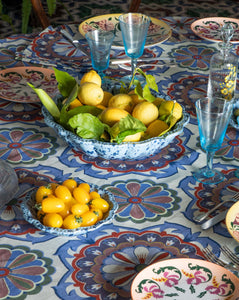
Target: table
{"points": [[157, 197]]}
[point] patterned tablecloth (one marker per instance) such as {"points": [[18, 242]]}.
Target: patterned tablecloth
{"points": [[157, 197]]}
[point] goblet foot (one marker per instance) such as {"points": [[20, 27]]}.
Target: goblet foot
{"points": [[207, 176]]}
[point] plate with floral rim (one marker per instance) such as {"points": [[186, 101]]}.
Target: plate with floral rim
{"points": [[210, 28], [14, 87], [158, 31], [232, 221], [184, 277]]}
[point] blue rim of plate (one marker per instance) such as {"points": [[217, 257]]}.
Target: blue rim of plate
{"points": [[29, 214]]}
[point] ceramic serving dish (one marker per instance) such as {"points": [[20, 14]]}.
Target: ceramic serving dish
{"points": [[123, 151], [232, 221], [185, 278], [29, 214]]}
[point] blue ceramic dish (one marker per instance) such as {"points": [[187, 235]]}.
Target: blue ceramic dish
{"points": [[234, 121], [29, 214], [124, 151]]}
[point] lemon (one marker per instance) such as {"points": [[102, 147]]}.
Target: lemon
{"points": [[122, 101], [111, 115], [133, 137], [90, 93], [135, 97], [146, 112], [156, 128], [75, 103], [158, 101], [166, 107], [91, 76], [107, 96]]}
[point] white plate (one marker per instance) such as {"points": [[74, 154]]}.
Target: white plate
{"points": [[210, 28], [158, 31], [14, 87], [185, 278]]}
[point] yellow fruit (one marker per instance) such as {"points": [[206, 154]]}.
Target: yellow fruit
{"points": [[72, 222], [111, 115], [85, 186], [75, 103], [53, 220], [94, 195], [135, 97], [100, 203], [81, 195], [146, 112], [156, 128], [42, 192], [133, 137], [107, 96], [158, 101], [91, 76], [79, 209], [62, 192], [122, 101], [90, 93], [89, 218], [70, 184], [166, 107]]}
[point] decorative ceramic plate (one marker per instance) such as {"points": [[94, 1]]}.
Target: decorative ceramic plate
{"points": [[183, 278], [234, 121], [232, 221], [30, 214], [210, 28], [158, 31], [14, 87]]}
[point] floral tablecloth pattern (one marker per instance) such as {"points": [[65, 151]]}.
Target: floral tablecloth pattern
{"points": [[157, 196]]}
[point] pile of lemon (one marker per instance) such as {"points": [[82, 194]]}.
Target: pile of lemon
{"points": [[116, 107], [69, 205]]}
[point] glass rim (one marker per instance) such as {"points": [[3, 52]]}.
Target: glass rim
{"points": [[147, 18]]}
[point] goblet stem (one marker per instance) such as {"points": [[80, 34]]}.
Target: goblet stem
{"points": [[133, 65], [209, 171]]}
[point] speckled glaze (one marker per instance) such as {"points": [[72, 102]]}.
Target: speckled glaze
{"points": [[29, 214], [234, 122], [124, 151]]}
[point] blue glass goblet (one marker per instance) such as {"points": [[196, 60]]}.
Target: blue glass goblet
{"points": [[213, 116], [100, 44], [134, 28]]}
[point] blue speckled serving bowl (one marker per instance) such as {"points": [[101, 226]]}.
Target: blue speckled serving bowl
{"points": [[29, 214], [123, 151], [233, 121]]}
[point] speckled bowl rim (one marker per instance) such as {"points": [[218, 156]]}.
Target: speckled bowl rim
{"points": [[29, 214], [177, 129]]}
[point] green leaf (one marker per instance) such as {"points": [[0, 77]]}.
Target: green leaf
{"points": [[47, 101], [72, 96], [66, 115], [126, 126], [66, 82], [51, 5], [87, 126], [26, 11]]}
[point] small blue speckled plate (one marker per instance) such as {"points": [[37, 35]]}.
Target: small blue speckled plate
{"points": [[29, 214]]}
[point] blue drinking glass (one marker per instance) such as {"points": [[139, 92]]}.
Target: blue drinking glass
{"points": [[100, 44], [134, 28], [213, 115]]}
